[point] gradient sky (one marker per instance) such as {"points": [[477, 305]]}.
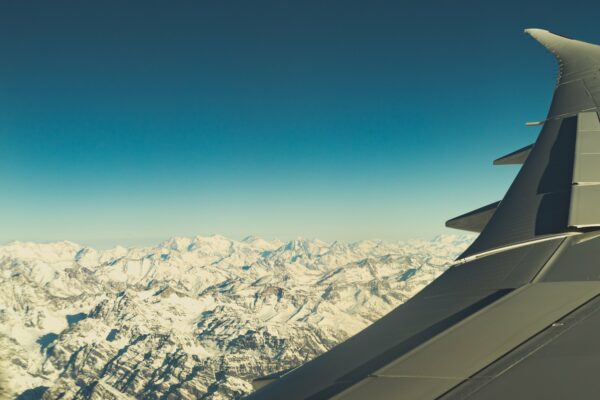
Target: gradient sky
{"points": [[129, 122]]}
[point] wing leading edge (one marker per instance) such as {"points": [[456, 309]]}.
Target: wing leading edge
{"points": [[518, 312]]}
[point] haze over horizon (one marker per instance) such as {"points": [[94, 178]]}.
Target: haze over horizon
{"points": [[217, 239], [132, 122]]}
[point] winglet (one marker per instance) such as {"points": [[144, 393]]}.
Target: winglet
{"points": [[573, 55]]}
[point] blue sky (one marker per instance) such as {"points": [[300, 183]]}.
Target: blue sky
{"points": [[129, 122]]}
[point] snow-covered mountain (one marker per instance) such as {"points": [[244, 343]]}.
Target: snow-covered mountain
{"points": [[193, 317]]}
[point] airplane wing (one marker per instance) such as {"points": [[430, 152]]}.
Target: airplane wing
{"points": [[518, 315]]}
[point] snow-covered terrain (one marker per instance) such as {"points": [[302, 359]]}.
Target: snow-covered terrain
{"points": [[193, 317]]}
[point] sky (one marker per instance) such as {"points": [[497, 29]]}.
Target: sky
{"points": [[130, 122]]}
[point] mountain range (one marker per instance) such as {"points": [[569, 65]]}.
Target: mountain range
{"points": [[193, 318]]}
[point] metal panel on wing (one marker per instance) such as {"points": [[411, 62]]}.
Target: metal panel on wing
{"points": [[585, 196], [562, 363], [504, 270], [576, 260], [462, 350]]}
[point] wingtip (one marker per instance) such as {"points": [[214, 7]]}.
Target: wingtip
{"points": [[534, 31], [548, 38], [542, 35], [551, 41]]}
